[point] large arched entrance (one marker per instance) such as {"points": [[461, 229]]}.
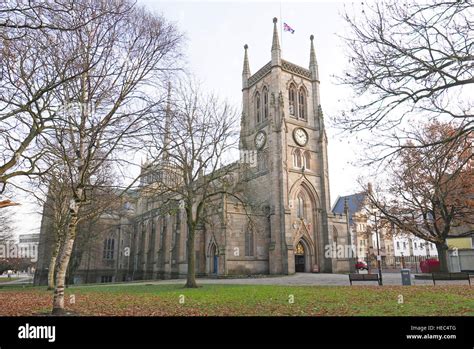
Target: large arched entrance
{"points": [[300, 258], [305, 217]]}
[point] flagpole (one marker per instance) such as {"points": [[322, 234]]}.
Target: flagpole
{"points": [[281, 26]]}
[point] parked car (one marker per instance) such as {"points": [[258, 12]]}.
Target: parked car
{"points": [[361, 265]]}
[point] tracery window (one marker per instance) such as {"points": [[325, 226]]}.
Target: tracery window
{"points": [[292, 99], [265, 103], [302, 103], [258, 107], [300, 206], [297, 160], [307, 160], [249, 249], [108, 252]]}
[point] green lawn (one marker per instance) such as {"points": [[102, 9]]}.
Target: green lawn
{"points": [[8, 279], [224, 300]]}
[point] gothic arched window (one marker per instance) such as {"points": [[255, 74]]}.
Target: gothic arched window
{"points": [[249, 250], [300, 206], [297, 161], [108, 252], [262, 161], [302, 103], [265, 103], [307, 160], [258, 107], [292, 99], [334, 235]]}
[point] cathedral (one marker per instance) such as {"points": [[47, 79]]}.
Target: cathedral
{"points": [[286, 227]]}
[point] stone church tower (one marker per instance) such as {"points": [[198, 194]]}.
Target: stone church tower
{"points": [[283, 140]]}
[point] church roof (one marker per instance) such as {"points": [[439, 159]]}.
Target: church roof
{"points": [[354, 203], [285, 65]]}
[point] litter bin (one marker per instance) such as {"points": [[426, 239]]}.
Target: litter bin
{"points": [[406, 277]]}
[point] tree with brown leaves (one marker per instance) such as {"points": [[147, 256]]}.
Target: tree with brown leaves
{"points": [[430, 191]]}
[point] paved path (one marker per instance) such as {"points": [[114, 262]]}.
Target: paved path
{"points": [[298, 279], [20, 281]]}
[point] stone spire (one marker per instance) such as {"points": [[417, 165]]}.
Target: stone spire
{"points": [[246, 68], [313, 63], [166, 136], [276, 51]]}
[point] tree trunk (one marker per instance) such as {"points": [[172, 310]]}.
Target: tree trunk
{"points": [[442, 249], [191, 275], [58, 299], [52, 264]]}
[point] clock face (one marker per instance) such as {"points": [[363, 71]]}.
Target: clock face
{"points": [[260, 139], [300, 136]]}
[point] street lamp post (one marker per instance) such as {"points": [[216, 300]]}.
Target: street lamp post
{"points": [[378, 249]]}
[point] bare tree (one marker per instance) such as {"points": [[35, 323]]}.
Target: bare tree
{"points": [[430, 189], [35, 63], [124, 57], [21, 16], [409, 60], [198, 135]]}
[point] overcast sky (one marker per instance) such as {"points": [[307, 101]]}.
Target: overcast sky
{"points": [[216, 32]]}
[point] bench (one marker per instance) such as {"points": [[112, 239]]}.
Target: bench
{"points": [[450, 276], [364, 277]]}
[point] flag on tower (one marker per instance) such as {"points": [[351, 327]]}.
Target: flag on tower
{"points": [[287, 28]]}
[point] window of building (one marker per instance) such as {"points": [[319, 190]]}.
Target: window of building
{"points": [[108, 252], [307, 160], [297, 161], [292, 100], [302, 103], [258, 107], [249, 250], [265, 103], [262, 161], [398, 244], [300, 206]]}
